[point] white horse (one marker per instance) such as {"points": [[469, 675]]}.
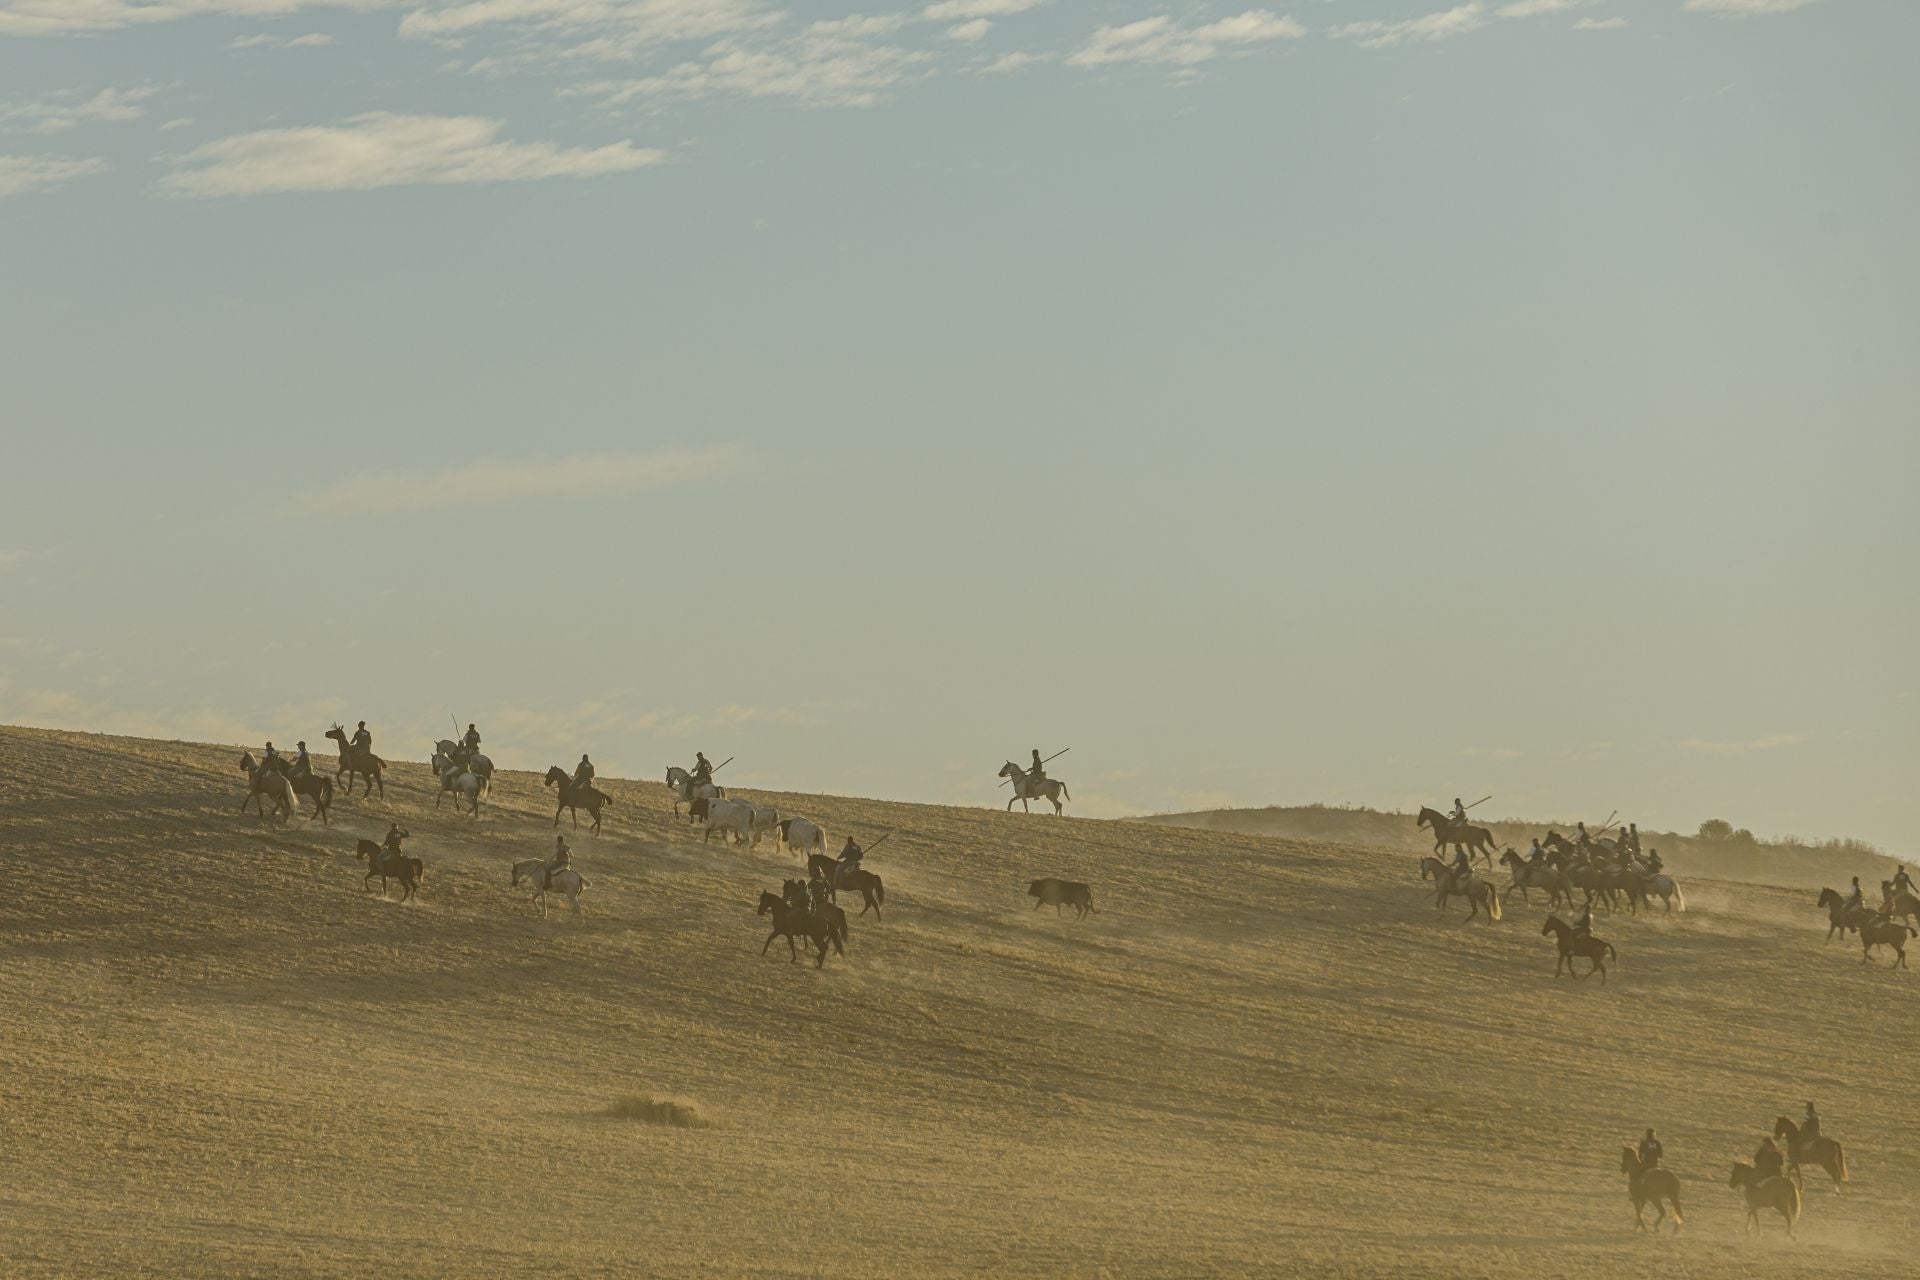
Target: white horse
{"points": [[735, 817], [480, 765], [684, 789], [797, 835], [265, 784], [565, 881], [1023, 791], [462, 782], [1668, 890]]}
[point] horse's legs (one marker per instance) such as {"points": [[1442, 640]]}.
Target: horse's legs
{"points": [[1010, 804]]}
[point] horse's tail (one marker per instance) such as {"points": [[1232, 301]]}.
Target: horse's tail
{"points": [[1840, 1161], [1493, 902], [1063, 792], [326, 792], [1679, 898], [1673, 1201], [879, 892]]}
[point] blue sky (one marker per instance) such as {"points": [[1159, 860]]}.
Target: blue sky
{"points": [[1360, 400]]}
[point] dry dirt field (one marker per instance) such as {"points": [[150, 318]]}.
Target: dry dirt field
{"points": [[221, 1057]]}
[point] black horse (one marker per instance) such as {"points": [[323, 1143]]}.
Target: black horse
{"points": [[828, 925], [572, 797], [1462, 836], [839, 877], [319, 786], [359, 762], [390, 863]]}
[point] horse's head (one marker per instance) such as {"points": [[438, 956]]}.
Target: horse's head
{"points": [[246, 762], [1010, 770], [1784, 1128], [1629, 1159], [1428, 817], [1828, 898], [554, 774], [1553, 925], [768, 902], [1742, 1174]]}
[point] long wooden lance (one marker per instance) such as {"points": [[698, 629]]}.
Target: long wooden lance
{"points": [[1050, 759], [723, 764], [876, 844], [1477, 803], [1610, 817]]}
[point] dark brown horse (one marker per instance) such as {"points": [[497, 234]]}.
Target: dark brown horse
{"points": [[1573, 944], [1650, 1187], [1462, 836], [839, 878], [1825, 1152], [1898, 904], [358, 762], [1885, 933], [390, 863], [827, 926], [1841, 918], [572, 798]]}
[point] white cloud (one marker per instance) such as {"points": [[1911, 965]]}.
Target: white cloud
{"points": [[1746, 8], [812, 70], [963, 10], [178, 122], [630, 27], [499, 479], [86, 17], [859, 26], [385, 150], [1013, 62], [311, 40], [969, 32], [21, 174], [1766, 743], [61, 112], [1376, 34], [1162, 40], [1599, 24], [1534, 8]]}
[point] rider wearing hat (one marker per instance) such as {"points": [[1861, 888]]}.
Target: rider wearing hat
{"points": [[302, 766], [817, 890]]}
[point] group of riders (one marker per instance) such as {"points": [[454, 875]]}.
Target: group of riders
{"points": [[300, 764], [1621, 854], [1855, 902], [1769, 1161]]}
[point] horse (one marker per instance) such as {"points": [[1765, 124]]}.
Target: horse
{"points": [[464, 781], [391, 863], [797, 835], [572, 796], [1778, 1194], [1597, 883], [265, 784], [839, 877], [685, 789], [829, 925], [566, 881], [1891, 933], [1470, 838], [1650, 1187], [1572, 945], [478, 765], [1478, 893], [1526, 876], [1825, 1152], [1023, 791], [1668, 890], [359, 762], [1898, 904], [1841, 918]]}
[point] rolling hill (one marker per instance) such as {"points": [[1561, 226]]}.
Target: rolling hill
{"points": [[1264, 1056]]}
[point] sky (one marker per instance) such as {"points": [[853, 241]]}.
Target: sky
{"points": [[1359, 401]]}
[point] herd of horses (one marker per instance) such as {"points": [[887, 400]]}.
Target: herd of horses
{"points": [[1886, 927], [1761, 1190]]}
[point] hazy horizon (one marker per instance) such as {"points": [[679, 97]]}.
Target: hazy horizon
{"points": [[1402, 400]]}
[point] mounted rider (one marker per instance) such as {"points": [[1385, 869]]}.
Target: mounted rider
{"points": [[1654, 865], [562, 859], [1583, 927], [1459, 814], [271, 760], [1768, 1162], [1809, 1125], [583, 773], [468, 748], [1650, 1152], [390, 846], [1536, 857], [849, 859], [361, 740], [1038, 773], [818, 891], [1459, 872], [1902, 882], [702, 772], [1632, 836], [1581, 838], [1855, 900], [302, 766]]}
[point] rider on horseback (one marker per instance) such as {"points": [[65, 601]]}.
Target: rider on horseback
{"points": [[1768, 1162], [469, 747], [390, 847], [583, 773], [1460, 872], [1583, 927], [1537, 857], [362, 740], [1580, 836], [1854, 899], [1902, 882], [1650, 1152], [302, 767], [562, 858], [1653, 862], [1810, 1123], [1459, 814], [849, 859], [1037, 774], [817, 891], [702, 769], [271, 760]]}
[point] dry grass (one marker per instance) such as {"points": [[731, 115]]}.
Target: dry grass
{"points": [[222, 1058], [654, 1110]]}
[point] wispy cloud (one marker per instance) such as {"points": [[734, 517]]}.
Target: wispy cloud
{"points": [[1746, 8], [88, 17], [1491, 753], [62, 111], [498, 479], [963, 10], [1377, 34], [1013, 62], [1766, 743], [1535, 8], [625, 29], [1599, 24], [384, 150], [811, 70], [969, 32], [312, 40], [22, 174], [1162, 40]]}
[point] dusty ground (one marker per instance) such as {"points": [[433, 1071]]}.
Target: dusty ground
{"points": [[221, 1057]]}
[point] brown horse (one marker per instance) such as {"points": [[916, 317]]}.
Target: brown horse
{"points": [[839, 878], [390, 863], [572, 797], [1463, 837], [1899, 904], [1480, 894], [1650, 1187], [1885, 933], [1777, 1194], [355, 762], [829, 926], [1841, 918], [1572, 944], [1825, 1152], [267, 784]]}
